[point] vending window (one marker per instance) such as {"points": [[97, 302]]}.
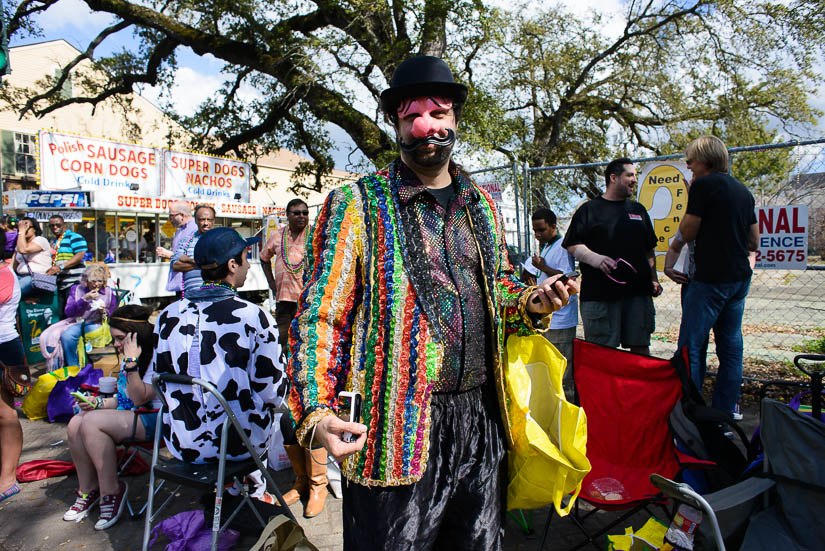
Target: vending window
{"points": [[165, 233], [147, 237], [106, 242]]}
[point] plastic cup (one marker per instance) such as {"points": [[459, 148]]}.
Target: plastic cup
{"points": [[107, 385]]}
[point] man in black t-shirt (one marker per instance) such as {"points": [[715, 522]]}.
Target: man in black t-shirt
{"points": [[720, 218], [613, 239]]}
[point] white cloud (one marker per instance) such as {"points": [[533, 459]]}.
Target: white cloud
{"points": [[585, 7], [577, 7], [191, 88], [67, 15]]}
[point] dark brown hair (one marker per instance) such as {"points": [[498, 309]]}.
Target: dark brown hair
{"points": [[134, 318]]}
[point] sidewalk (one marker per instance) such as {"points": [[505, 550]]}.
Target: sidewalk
{"points": [[32, 520]]}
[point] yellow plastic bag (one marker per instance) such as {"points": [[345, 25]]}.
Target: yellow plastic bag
{"points": [[98, 338], [548, 460], [34, 405], [649, 537]]}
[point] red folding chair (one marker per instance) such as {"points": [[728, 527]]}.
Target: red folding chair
{"points": [[628, 399]]}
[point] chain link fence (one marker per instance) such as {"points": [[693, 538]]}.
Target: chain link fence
{"points": [[785, 309]]}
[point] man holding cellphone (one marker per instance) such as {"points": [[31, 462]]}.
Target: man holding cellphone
{"points": [[409, 298], [613, 239]]}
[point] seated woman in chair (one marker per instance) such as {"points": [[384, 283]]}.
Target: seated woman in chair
{"points": [[90, 300], [95, 432], [34, 254]]}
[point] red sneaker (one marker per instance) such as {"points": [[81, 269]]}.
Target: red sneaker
{"points": [[111, 507], [82, 505]]}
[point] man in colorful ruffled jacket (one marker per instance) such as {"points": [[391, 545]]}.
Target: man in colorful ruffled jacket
{"points": [[408, 300]]}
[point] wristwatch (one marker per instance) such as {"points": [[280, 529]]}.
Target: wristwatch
{"points": [[60, 265], [130, 369]]}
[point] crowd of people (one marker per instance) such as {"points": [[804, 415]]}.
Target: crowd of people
{"points": [[402, 293], [613, 240]]}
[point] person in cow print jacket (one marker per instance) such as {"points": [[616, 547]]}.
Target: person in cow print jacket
{"points": [[214, 335]]}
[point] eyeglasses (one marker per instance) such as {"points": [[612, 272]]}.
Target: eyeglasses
{"points": [[628, 264], [55, 225], [299, 212]]}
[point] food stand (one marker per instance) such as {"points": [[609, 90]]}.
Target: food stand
{"points": [[117, 195]]}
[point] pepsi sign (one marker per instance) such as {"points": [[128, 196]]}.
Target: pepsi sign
{"points": [[58, 199]]}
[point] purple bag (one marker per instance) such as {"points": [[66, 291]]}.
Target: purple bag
{"points": [[187, 531], [61, 403]]}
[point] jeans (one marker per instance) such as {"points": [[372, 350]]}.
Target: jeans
{"points": [[69, 339], [703, 352], [719, 306], [11, 353], [25, 285]]}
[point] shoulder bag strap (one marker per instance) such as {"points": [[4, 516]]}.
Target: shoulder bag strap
{"points": [[29, 268]]}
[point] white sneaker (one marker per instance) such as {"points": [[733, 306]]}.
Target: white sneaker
{"points": [[737, 413], [83, 503]]}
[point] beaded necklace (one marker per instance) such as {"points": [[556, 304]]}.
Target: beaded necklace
{"points": [[216, 284], [185, 249], [292, 268], [123, 400]]}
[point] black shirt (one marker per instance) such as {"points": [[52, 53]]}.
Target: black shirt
{"points": [[726, 208], [443, 195], [618, 229]]}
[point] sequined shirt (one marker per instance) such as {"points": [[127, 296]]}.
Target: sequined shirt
{"points": [[454, 272], [367, 322]]}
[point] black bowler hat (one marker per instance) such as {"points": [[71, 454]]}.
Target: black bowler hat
{"points": [[218, 245], [423, 75]]}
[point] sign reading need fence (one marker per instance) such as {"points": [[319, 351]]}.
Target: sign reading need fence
{"points": [[783, 237]]}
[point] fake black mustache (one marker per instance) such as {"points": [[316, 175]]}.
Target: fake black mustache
{"points": [[447, 140]]}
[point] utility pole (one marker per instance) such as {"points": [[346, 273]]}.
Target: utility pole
{"points": [[5, 66]]}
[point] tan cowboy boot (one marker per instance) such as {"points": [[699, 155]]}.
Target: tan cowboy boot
{"points": [[301, 485], [317, 469]]}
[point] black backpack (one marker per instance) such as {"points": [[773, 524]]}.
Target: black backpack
{"points": [[704, 432]]}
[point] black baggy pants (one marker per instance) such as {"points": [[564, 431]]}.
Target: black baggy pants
{"points": [[459, 502]]}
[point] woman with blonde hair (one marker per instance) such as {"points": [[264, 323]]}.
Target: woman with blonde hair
{"points": [[90, 300]]}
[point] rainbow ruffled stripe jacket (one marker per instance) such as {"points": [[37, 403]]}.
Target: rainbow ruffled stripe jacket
{"points": [[365, 323]]}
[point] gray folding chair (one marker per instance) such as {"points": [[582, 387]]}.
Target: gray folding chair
{"points": [[209, 476], [789, 517]]}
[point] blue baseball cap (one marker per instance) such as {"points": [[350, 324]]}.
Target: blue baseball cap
{"points": [[218, 245]]}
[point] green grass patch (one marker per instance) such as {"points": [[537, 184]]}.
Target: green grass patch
{"points": [[812, 346]]}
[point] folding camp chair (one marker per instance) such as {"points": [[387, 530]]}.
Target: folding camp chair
{"points": [[210, 476], [132, 453], [628, 399], [89, 354], [794, 447]]}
